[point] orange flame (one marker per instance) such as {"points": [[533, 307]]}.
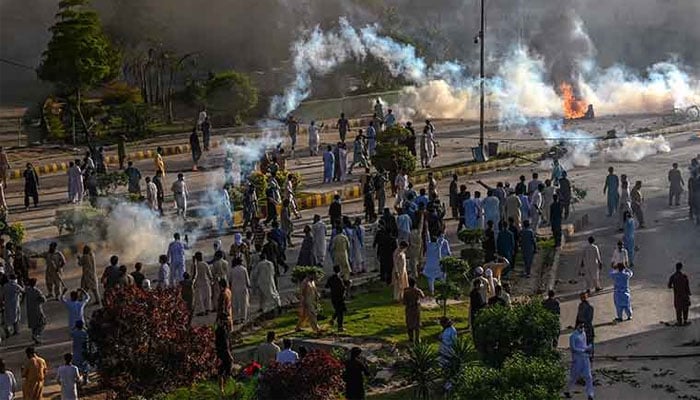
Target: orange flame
{"points": [[573, 108]]}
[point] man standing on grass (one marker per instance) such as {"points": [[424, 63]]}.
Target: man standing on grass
{"points": [[681, 294], [411, 301], [337, 287]]}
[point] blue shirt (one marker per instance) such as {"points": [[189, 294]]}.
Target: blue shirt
{"points": [[176, 253], [404, 222]]}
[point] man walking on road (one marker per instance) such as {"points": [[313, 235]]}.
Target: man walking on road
{"points": [[621, 293], [681, 295], [580, 361], [591, 266], [584, 316], [611, 188], [676, 185], [637, 203]]}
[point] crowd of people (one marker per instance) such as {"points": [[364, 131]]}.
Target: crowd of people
{"points": [[409, 240]]}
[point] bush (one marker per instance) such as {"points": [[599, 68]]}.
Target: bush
{"points": [[520, 379], [382, 158], [474, 256], [142, 343], [209, 390], [456, 271], [471, 236], [529, 328], [133, 119], [300, 272], [318, 376], [80, 220], [109, 182], [259, 182], [422, 369]]}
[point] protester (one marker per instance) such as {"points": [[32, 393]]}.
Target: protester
{"points": [[611, 187], [620, 256], [676, 184], [621, 291], [584, 315], [681, 294], [180, 191], [400, 272], [79, 337], [33, 375], [134, 179], [75, 183], [477, 301], [36, 319], [552, 303], [590, 266], [223, 354], [88, 281], [267, 352], [528, 241], [432, 270], [355, 372], [137, 275], [31, 186], [11, 296], [637, 202], [265, 285], [287, 355], [239, 282], [337, 287], [176, 259], [340, 251], [68, 378], [308, 304], [202, 279], [448, 337], [580, 361], [8, 383], [55, 261], [225, 307], [75, 305], [163, 272], [195, 148], [343, 125]]}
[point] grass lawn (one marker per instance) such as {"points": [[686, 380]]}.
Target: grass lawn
{"points": [[401, 394], [372, 313]]}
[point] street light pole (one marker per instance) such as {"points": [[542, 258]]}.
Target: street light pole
{"points": [[481, 74]]}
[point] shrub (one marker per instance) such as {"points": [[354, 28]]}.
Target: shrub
{"points": [[421, 368], [79, 220], [382, 158], [471, 236], [473, 256], [142, 343], [318, 376], [259, 182], [500, 332], [109, 182], [302, 271], [520, 379], [461, 355], [208, 390]]}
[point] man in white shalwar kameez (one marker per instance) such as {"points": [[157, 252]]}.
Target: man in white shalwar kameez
{"points": [[318, 231], [180, 192], [240, 283], [591, 266], [264, 284], [75, 183], [151, 194]]}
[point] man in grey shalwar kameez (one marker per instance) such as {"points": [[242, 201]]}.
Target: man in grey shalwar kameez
{"points": [[11, 295], [36, 319]]}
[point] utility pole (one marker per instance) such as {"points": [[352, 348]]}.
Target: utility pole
{"points": [[481, 74]]}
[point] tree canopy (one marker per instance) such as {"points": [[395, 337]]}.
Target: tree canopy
{"points": [[79, 55]]}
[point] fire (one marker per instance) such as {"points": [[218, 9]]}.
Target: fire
{"points": [[573, 108]]}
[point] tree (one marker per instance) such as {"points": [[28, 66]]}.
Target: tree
{"points": [[79, 55], [231, 94], [143, 343], [391, 141]]}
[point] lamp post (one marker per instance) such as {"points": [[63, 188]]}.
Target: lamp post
{"points": [[479, 39]]}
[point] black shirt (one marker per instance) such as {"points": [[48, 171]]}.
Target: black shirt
{"points": [[355, 371], [337, 286], [138, 278]]}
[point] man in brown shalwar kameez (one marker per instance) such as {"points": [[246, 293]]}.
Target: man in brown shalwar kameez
{"points": [[411, 300], [681, 294]]}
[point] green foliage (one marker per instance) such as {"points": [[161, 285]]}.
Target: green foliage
{"points": [[421, 368], [579, 194], [119, 92], [500, 332], [52, 122], [231, 93], [471, 236], [520, 378], [16, 232], [456, 271], [473, 256], [384, 151], [79, 55], [109, 182], [259, 182], [396, 135], [208, 390], [133, 119], [302, 271], [462, 354], [80, 220]]}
